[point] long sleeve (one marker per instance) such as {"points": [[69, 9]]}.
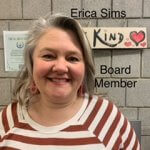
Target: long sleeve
{"points": [[113, 128]]}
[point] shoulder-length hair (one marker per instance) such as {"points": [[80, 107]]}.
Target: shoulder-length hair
{"points": [[21, 90]]}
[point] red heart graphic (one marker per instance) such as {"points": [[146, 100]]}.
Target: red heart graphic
{"points": [[137, 37], [143, 44], [127, 44]]}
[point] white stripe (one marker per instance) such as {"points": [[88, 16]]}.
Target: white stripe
{"points": [[126, 133], [138, 147], [132, 142], [99, 115], [36, 134], [89, 110], [108, 123], [2, 131], [116, 133], [20, 114], [24, 146], [9, 116]]}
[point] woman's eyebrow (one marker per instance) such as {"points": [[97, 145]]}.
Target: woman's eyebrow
{"points": [[47, 49], [71, 51]]}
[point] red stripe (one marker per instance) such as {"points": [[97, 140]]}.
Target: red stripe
{"points": [[52, 141], [117, 143], [123, 129], [5, 120], [127, 142], [94, 112], [14, 112], [24, 126], [112, 128], [104, 119], [8, 148], [75, 128]]}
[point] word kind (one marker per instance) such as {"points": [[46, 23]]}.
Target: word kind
{"points": [[108, 39]]}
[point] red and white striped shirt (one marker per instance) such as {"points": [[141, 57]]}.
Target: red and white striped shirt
{"points": [[98, 125]]}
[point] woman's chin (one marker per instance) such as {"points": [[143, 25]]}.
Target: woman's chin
{"points": [[60, 94]]}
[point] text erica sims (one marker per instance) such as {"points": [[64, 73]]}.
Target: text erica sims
{"points": [[103, 13]]}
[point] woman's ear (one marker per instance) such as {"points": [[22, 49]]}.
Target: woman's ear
{"points": [[33, 88]]}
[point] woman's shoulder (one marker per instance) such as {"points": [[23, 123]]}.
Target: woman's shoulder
{"points": [[109, 123], [7, 117], [100, 106], [10, 107], [103, 109], [107, 107]]}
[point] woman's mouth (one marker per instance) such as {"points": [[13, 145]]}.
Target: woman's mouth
{"points": [[59, 80]]}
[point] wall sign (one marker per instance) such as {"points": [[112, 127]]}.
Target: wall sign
{"points": [[112, 38], [14, 43]]}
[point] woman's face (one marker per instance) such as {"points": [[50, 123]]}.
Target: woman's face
{"points": [[58, 64]]}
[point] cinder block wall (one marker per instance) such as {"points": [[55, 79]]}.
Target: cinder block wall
{"points": [[133, 102]]}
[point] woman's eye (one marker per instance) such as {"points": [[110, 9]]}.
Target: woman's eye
{"points": [[48, 56], [73, 59]]}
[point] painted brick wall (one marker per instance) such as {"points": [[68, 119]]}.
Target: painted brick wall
{"points": [[133, 102]]}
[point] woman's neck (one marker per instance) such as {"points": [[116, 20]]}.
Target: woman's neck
{"points": [[46, 113]]}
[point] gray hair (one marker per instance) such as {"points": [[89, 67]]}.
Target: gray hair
{"points": [[21, 91]]}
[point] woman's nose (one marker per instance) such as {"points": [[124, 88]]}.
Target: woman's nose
{"points": [[60, 65]]}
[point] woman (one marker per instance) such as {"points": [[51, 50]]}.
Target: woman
{"points": [[52, 108]]}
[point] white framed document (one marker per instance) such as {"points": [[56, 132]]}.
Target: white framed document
{"points": [[14, 44]]}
